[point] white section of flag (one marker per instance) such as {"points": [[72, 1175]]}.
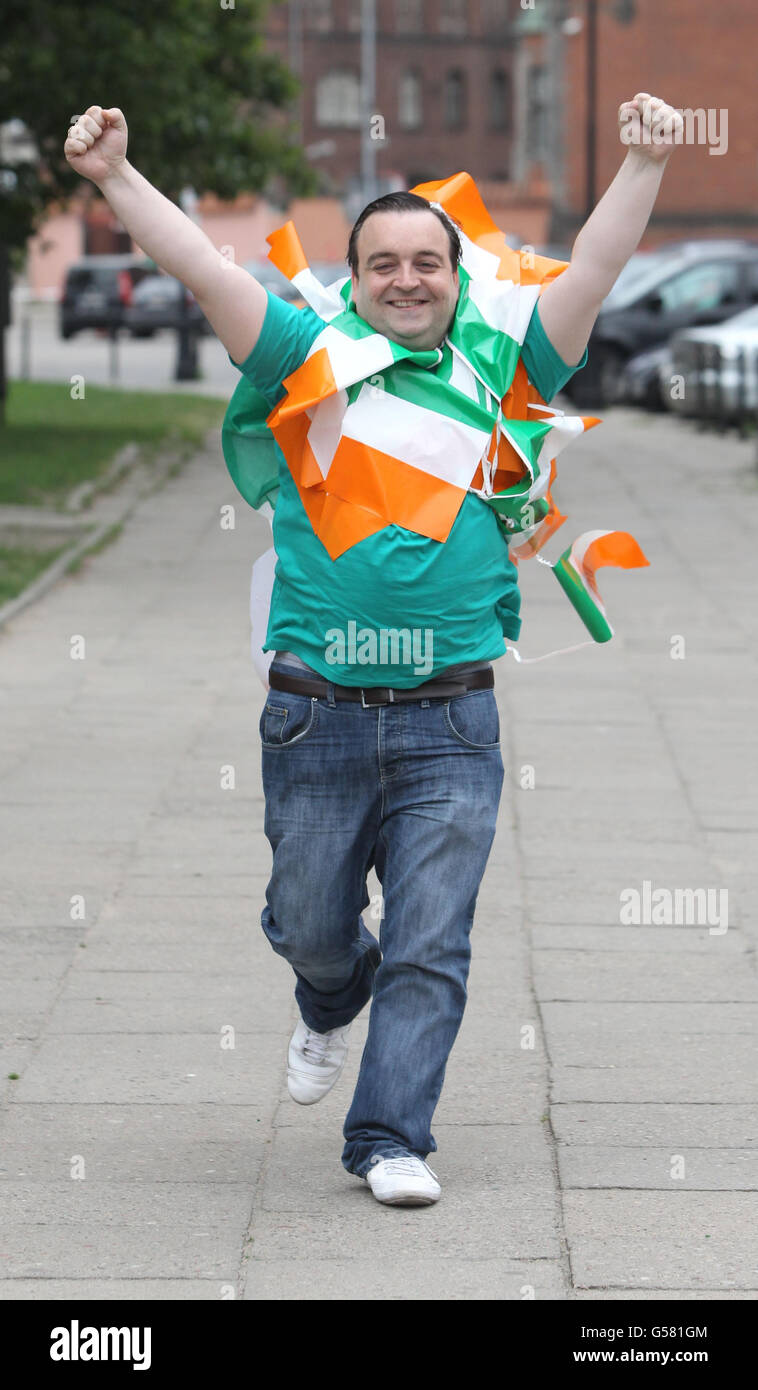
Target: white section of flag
{"points": [[505, 306], [424, 439], [324, 300], [555, 441], [579, 550], [352, 359], [326, 428]]}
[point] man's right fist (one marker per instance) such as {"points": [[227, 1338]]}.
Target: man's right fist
{"points": [[96, 143]]}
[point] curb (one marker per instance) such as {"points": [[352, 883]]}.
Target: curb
{"points": [[126, 461], [123, 462]]}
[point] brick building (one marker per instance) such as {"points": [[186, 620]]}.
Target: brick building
{"points": [[505, 89], [443, 86], [698, 58]]}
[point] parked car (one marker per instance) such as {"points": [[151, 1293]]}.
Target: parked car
{"points": [[659, 293], [97, 290], [272, 279], [329, 271], [156, 303], [266, 273], [717, 368], [642, 381], [555, 251]]}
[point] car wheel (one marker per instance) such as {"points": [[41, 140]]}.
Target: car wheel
{"points": [[599, 382], [653, 398]]}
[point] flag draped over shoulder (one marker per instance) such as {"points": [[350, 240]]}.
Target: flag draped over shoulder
{"points": [[376, 434]]}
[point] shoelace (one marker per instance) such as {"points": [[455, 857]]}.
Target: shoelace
{"points": [[405, 1165], [315, 1046]]}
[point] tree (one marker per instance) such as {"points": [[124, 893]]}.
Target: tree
{"points": [[206, 105]]}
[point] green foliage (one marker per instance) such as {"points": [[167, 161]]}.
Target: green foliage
{"points": [[50, 443], [21, 565], [205, 103]]}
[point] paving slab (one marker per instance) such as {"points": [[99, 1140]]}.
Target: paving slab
{"points": [[139, 1143], [674, 1239], [663, 1169], [107, 1290], [404, 1278]]}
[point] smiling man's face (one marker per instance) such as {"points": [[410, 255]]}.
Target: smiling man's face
{"points": [[406, 287]]}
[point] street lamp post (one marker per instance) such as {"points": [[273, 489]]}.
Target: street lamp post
{"points": [[368, 97], [186, 356], [590, 146]]}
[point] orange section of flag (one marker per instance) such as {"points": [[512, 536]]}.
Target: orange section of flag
{"points": [[365, 491], [286, 252], [614, 548], [403, 495], [306, 386], [338, 523], [460, 198]]}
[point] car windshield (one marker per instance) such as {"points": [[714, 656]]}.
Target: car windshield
{"points": [[330, 271], [642, 271]]}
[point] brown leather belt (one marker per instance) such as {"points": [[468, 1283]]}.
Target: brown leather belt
{"points": [[384, 694]]}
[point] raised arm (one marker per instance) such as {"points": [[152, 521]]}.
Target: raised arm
{"points": [[571, 303], [232, 300]]}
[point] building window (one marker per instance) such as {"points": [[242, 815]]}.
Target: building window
{"points": [[495, 16], [354, 9], [455, 100], [409, 100], [500, 100], [318, 14], [338, 99], [452, 15], [409, 16], [536, 112]]}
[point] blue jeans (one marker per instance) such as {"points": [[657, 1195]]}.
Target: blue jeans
{"points": [[413, 790]]}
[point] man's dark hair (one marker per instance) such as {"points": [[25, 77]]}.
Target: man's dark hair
{"points": [[404, 202]]}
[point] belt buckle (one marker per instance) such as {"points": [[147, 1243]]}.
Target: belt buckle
{"points": [[374, 703]]}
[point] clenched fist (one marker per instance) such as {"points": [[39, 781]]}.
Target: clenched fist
{"points": [[649, 127], [96, 143]]}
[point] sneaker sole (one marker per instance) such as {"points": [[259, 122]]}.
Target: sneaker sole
{"points": [[406, 1199]]}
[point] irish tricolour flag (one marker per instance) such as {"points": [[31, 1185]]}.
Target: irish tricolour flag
{"points": [[375, 434]]}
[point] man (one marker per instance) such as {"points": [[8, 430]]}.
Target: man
{"points": [[379, 763]]}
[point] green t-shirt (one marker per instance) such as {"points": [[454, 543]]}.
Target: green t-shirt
{"points": [[397, 607]]}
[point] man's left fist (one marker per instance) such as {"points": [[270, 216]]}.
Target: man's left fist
{"points": [[649, 127]]}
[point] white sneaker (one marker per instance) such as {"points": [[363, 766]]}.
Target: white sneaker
{"points": [[403, 1181], [314, 1061]]}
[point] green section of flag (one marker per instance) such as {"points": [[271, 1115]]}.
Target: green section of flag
{"points": [[409, 383], [249, 447], [492, 352], [594, 621], [515, 511], [527, 438]]}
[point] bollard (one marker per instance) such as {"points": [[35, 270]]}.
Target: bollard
{"points": [[718, 410], [698, 358], [25, 369], [113, 358]]}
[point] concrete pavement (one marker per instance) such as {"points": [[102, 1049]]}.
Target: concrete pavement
{"points": [[598, 1130]]}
